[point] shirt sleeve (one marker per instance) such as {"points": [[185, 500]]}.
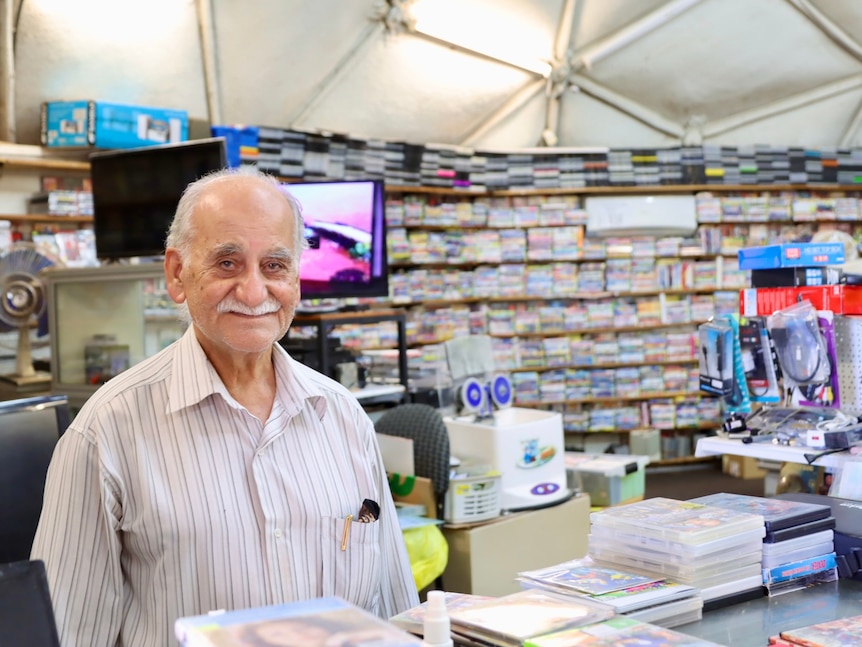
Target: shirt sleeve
{"points": [[398, 588], [77, 539]]}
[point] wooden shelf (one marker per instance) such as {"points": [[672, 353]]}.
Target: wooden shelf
{"points": [[47, 164], [444, 303], [701, 427], [594, 331], [660, 395], [46, 217], [545, 369], [631, 190], [398, 265]]}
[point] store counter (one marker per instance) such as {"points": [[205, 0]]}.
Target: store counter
{"points": [[749, 624]]}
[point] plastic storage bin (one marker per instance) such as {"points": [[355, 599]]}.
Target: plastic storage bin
{"points": [[609, 479], [473, 496]]}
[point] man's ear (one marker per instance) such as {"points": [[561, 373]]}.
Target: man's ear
{"points": [[173, 270]]}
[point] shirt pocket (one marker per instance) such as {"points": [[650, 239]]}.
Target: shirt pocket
{"points": [[353, 573]]}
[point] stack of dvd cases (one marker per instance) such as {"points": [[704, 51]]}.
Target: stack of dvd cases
{"points": [[798, 548], [716, 550]]}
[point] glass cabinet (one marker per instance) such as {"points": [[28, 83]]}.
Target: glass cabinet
{"points": [[103, 320]]}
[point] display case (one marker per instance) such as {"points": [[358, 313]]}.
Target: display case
{"points": [[103, 320]]}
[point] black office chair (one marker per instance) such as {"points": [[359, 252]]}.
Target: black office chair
{"points": [[26, 613], [29, 430], [424, 425]]}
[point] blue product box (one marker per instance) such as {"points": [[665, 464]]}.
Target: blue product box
{"points": [[791, 255], [238, 140], [101, 124]]}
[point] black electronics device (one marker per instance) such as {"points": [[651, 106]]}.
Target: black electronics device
{"points": [[802, 529], [794, 277], [847, 532], [136, 191]]}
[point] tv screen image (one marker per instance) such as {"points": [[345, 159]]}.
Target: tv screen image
{"points": [[136, 191], [345, 229]]}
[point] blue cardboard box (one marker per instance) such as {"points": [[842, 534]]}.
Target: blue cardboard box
{"points": [[791, 255], [101, 124]]}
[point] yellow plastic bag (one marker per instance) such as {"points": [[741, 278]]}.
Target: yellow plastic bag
{"points": [[428, 552]]}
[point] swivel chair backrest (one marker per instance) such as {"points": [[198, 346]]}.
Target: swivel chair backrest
{"points": [[424, 425], [29, 431], [26, 614]]}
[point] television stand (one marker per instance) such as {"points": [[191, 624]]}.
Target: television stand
{"points": [[359, 307]]}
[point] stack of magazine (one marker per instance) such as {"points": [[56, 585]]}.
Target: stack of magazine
{"points": [[618, 631], [647, 598], [713, 549], [798, 549], [511, 619]]}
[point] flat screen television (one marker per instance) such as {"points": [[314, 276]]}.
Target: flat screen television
{"points": [[136, 191], [345, 227]]}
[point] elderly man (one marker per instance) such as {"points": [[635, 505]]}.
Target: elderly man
{"points": [[219, 473]]}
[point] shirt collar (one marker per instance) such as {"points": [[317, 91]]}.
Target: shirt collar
{"points": [[193, 379]]}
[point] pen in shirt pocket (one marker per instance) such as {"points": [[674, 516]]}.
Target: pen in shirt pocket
{"points": [[369, 512]]}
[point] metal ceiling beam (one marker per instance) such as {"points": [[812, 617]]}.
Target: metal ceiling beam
{"points": [[828, 27], [350, 57], [631, 32], [630, 107], [564, 72], [557, 80], [8, 131], [209, 60], [826, 91], [475, 52], [565, 27], [852, 128], [514, 103]]}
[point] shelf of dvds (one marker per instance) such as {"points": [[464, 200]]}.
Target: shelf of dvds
{"points": [[464, 261]]}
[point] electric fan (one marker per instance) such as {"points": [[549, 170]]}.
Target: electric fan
{"points": [[22, 303]]}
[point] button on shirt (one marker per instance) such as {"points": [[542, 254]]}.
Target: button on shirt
{"points": [[167, 498]]}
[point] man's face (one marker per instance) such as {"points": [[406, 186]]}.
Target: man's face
{"points": [[240, 276]]}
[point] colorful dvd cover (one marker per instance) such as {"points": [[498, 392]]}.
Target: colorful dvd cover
{"points": [[584, 576], [777, 513], [810, 566], [834, 633]]}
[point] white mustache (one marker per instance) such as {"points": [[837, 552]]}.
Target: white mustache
{"points": [[229, 304]]}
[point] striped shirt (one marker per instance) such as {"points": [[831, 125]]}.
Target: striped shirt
{"points": [[166, 498]]}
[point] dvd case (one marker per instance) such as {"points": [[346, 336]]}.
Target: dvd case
{"points": [[834, 633], [777, 513], [674, 520], [511, 619], [619, 631], [328, 620]]}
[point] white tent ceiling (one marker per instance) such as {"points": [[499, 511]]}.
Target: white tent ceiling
{"points": [[623, 73]]}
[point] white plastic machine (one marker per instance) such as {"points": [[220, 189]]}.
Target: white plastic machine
{"points": [[524, 445]]}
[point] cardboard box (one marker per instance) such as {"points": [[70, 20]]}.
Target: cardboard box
{"points": [[485, 559], [743, 467], [102, 124], [767, 257], [840, 299]]}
